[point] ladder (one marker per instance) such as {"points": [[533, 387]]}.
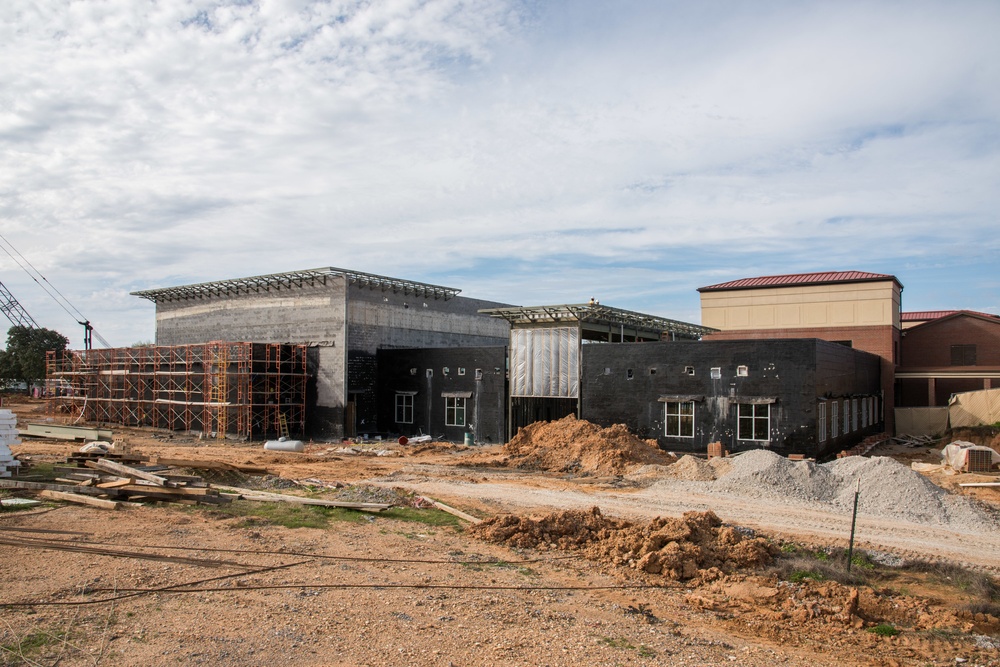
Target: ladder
{"points": [[282, 425]]}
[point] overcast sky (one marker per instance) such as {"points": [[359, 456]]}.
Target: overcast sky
{"points": [[524, 152]]}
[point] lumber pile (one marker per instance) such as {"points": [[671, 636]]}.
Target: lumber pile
{"points": [[113, 482]]}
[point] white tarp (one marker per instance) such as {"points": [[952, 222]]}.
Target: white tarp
{"points": [[921, 421], [974, 408], [545, 363], [956, 454]]}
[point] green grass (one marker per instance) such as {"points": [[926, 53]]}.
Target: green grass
{"points": [[798, 576], [884, 630], [28, 646], [291, 515], [622, 643]]}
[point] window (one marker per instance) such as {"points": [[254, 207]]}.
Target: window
{"points": [[963, 355], [742, 371], [404, 408], [716, 373], [834, 419], [679, 419], [753, 422], [689, 370], [864, 412], [461, 370], [847, 416], [854, 415], [629, 374], [821, 421], [454, 411]]}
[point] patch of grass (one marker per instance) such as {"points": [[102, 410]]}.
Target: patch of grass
{"points": [[884, 630], [431, 517], [292, 515], [798, 576], [977, 584], [622, 643], [804, 566], [285, 514], [789, 548], [29, 645]]}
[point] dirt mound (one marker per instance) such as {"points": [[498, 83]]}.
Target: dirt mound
{"points": [[694, 469], [578, 446], [678, 549]]}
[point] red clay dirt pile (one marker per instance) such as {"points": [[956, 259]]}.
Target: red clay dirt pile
{"points": [[696, 545], [579, 446]]}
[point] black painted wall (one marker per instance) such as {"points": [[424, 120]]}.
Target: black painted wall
{"points": [[623, 383], [423, 371]]}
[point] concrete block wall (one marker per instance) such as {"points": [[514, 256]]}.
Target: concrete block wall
{"points": [[429, 372], [623, 382], [378, 320]]}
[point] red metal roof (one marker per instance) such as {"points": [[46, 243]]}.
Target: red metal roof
{"points": [[923, 315], [822, 278]]}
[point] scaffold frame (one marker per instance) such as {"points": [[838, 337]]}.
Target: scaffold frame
{"points": [[218, 389]]}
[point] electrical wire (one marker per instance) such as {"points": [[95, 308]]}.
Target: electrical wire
{"points": [[78, 316], [181, 588]]}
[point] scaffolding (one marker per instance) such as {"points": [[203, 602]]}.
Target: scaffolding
{"points": [[219, 389]]}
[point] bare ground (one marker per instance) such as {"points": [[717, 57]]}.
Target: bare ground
{"points": [[387, 591]]}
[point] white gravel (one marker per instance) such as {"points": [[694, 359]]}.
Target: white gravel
{"points": [[889, 490]]}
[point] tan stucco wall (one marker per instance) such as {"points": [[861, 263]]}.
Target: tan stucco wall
{"points": [[803, 307]]}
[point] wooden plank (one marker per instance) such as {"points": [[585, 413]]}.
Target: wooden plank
{"points": [[43, 486], [992, 484], [211, 465], [82, 500], [126, 471], [115, 484], [263, 496], [454, 512]]}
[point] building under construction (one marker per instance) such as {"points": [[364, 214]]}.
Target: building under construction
{"points": [[247, 390]]}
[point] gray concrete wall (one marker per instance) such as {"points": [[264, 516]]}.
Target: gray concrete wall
{"points": [[311, 315], [384, 320]]}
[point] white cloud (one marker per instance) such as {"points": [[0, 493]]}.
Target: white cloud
{"points": [[645, 149]]}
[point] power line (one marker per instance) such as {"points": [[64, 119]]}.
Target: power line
{"points": [[78, 316]]}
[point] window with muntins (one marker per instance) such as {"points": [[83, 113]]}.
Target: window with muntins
{"points": [[821, 421], [753, 422], [834, 419], [454, 411], [963, 355], [404, 408], [679, 419]]}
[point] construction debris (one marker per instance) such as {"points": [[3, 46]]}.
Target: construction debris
{"points": [[66, 432]]}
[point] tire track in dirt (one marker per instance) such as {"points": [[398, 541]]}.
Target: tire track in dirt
{"points": [[803, 522]]}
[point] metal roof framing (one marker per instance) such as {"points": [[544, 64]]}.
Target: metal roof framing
{"points": [[594, 314], [309, 277]]}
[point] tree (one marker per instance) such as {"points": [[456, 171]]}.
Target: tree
{"points": [[24, 358]]}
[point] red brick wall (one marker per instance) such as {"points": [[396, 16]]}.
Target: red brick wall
{"points": [[877, 339], [929, 346]]}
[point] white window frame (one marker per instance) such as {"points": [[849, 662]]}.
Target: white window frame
{"points": [[847, 416], [673, 411], [821, 420], [404, 405], [834, 419], [755, 419], [454, 411], [854, 415]]}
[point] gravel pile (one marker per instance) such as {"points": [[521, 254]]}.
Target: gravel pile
{"points": [[889, 489]]}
